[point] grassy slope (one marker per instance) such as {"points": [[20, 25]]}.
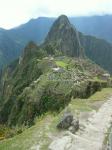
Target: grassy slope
{"points": [[40, 132]]}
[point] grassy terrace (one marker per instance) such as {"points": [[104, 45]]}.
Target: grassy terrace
{"points": [[61, 64], [40, 133], [89, 104]]}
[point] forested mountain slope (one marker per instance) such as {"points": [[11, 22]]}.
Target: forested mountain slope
{"points": [[44, 79]]}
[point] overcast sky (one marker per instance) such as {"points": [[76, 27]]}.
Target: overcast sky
{"points": [[15, 12]]}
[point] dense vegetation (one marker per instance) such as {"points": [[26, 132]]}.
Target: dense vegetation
{"points": [[45, 78], [36, 88]]}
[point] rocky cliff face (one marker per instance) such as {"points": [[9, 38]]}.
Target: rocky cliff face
{"points": [[64, 37]]}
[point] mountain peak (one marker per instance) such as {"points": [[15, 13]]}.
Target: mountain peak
{"points": [[62, 22], [31, 45], [30, 51], [64, 37], [63, 18]]}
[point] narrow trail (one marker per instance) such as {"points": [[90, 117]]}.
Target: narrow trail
{"points": [[92, 137]]}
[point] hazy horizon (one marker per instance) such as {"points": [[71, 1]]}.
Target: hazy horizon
{"points": [[16, 12]]}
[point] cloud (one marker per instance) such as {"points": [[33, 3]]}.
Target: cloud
{"points": [[15, 12]]}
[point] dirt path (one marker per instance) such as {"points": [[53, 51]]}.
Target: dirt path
{"points": [[93, 136]]}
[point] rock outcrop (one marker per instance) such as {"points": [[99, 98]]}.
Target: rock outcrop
{"points": [[74, 125], [69, 122], [66, 121]]}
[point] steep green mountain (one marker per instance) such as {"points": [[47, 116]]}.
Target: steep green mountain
{"points": [[100, 51], [64, 37], [39, 82]]}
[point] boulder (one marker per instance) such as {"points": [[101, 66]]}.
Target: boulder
{"points": [[74, 126], [66, 121]]}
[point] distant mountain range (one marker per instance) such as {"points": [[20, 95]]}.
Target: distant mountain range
{"points": [[9, 49], [99, 26], [13, 41]]}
